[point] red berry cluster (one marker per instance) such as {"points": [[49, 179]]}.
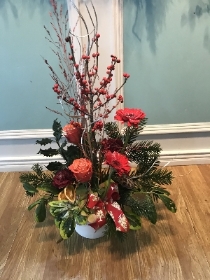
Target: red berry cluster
{"points": [[91, 100], [98, 126], [126, 75], [56, 88]]}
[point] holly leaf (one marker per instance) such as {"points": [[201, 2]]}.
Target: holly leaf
{"points": [[54, 166], [57, 128], [48, 152], [29, 188], [44, 141], [170, 205], [41, 211]]}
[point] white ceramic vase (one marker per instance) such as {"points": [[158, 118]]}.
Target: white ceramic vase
{"points": [[89, 232]]}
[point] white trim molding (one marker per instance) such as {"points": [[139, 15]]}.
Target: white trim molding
{"points": [[182, 144]]}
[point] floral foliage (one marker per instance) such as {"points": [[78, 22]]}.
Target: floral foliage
{"points": [[103, 175]]}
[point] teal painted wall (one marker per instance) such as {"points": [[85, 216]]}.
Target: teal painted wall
{"points": [[25, 84], [167, 53]]}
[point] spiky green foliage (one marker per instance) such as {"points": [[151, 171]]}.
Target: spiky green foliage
{"points": [[112, 130], [144, 153], [37, 178], [141, 204], [131, 133]]}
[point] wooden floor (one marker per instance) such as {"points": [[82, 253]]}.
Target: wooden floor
{"points": [[177, 247]]}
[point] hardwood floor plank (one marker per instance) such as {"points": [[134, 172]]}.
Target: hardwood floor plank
{"points": [[176, 248], [196, 193], [13, 204]]}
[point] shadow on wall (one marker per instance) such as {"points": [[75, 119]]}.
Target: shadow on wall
{"points": [[198, 9], [14, 6], [155, 13]]}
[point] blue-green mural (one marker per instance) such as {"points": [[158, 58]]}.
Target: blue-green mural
{"points": [[167, 53], [26, 87]]}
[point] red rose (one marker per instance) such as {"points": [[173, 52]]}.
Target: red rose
{"points": [[82, 169], [113, 145], [130, 116], [63, 178], [118, 161], [73, 132]]}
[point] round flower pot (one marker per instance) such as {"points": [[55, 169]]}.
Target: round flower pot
{"points": [[89, 232]]}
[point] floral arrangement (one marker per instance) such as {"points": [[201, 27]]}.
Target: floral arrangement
{"points": [[105, 176]]}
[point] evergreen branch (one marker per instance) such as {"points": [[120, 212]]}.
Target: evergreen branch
{"points": [[141, 204], [112, 130]]}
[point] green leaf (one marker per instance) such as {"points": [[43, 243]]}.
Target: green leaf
{"points": [[49, 188], [81, 191], [81, 220], [158, 190], [133, 220], [32, 205], [41, 211], [170, 205], [48, 152], [142, 205], [44, 141], [57, 222], [57, 128], [54, 166], [29, 188], [112, 130], [67, 227], [59, 203], [72, 153]]}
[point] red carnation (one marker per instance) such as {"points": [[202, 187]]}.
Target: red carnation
{"points": [[112, 145], [63, 178], [130, 116], [118, 161]]}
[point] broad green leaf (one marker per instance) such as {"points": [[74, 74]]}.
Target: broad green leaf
{"points": [[49, 189], [133, 220], [58, 203], [44, 141], [41, 211], [57, 222], [168, 203], [29, 188], [32, 205], [67, 227], [81, 220], [48, 152]]}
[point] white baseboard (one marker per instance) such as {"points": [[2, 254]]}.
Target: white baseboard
{"points": [[182, 144]]}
